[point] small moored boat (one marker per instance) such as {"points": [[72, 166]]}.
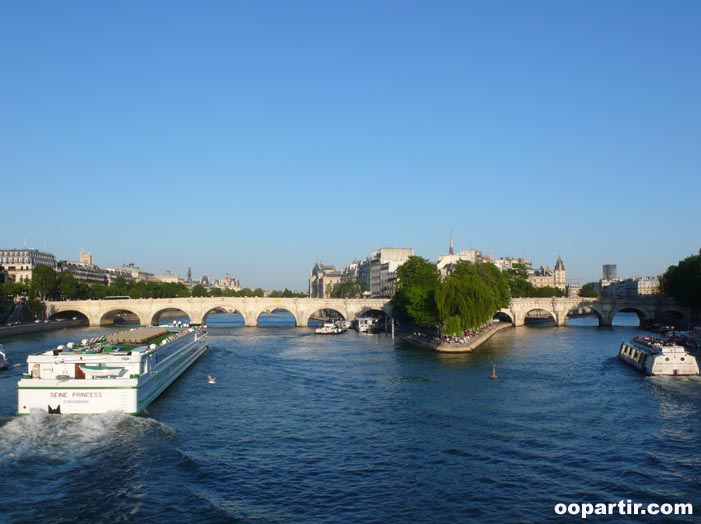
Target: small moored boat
{"points": [[330, 328]]}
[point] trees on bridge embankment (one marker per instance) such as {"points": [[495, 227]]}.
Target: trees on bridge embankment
{"points": [[465, 299]]}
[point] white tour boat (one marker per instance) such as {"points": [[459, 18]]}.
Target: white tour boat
{"points": [[330, 328], [654, 356], [124, 371]]}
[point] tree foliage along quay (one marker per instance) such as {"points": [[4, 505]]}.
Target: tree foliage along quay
{"points": [[47, 284], [352, 288], [414, 299], [466, 298], [683, 282], [470, 296]]}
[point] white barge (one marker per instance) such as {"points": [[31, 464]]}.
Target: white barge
{"points": [[125, 371], [654, 356], [331, 328]]}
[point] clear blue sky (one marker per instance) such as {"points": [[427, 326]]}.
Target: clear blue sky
{"points": [[258, 137]]}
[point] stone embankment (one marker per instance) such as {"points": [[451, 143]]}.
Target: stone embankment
{"points": [[435, 344], [33, 327], [474, 342]]}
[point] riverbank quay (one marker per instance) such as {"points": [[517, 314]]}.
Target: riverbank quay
{"points": [[474, 342], [417, 339], [38, 327]]}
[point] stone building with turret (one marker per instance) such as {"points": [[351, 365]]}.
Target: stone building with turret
{"points": [[546, 277]]}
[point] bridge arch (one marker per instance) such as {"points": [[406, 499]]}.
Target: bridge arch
{"points": [[226, 310], [642, 316], [169, 311], [503, 316], [323, 313], [266, 313], [109, 317], [575, 310], [673, 317], [539, 314], [68, 314]]}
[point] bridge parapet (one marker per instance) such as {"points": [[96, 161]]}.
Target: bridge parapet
{"points": [[605, 308], [148, 311]]}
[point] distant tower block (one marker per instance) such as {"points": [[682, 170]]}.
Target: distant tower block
{"points": [[610, 272]]}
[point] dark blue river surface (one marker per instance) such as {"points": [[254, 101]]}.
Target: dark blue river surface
{"points": [[301, 428]]}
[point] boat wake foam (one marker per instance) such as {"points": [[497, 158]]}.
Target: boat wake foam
{"points": [[68, 437]]}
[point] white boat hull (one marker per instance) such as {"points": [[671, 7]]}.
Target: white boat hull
{"points": [[131, 394], [672, 363]]}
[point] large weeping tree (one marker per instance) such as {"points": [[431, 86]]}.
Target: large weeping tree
{"points": [[414, 300], [470, 296], [683, 282]]}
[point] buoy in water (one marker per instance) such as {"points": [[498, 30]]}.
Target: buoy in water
{"points": [[493, 376]]}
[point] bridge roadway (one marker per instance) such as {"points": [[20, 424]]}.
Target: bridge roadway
{"points": [[149, 311]]}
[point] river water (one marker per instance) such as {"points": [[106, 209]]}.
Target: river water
{"points": [[301, 428]]}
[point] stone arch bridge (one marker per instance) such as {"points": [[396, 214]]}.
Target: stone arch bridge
{"points": [[149, 311], [604, 308]]}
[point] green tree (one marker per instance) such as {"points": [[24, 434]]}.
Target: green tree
{"points": [[98, 291], [588, 291], [351, 288], [15, 289], [519, 286], [198, 290], [683, 282], [118, 287], [470, 296], [414, 299], [43, 281], [35, 306], [67, 286], [176, 290]]}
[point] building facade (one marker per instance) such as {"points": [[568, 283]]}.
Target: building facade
{"points": [[630, 287], [609, 272], [545, 277], [84, 270], [321, 278], [383, 266], [228, 282], [136, 273], [446, 263], [20, 263]]}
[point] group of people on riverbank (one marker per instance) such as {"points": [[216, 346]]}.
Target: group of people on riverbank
{"points": [[466, 337]]}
